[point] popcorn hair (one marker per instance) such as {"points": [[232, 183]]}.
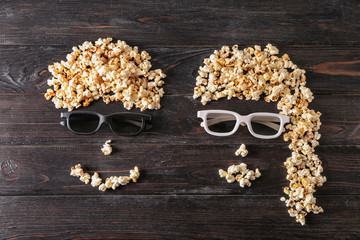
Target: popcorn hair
{"points": [[107, 70]]}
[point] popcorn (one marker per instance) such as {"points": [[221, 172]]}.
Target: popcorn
{"points": [[243, 168], [124, 180], [107, 149], [111, 71], [257, 173], [134, 174], [222, 173], [242, 182], [102, 187], [112, 182], [77, 171], [229, 178], [242, 151], [95, 180], [243, 178], [249, 73], [233, 169], [85, 178]]}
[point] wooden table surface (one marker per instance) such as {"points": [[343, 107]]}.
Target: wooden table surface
{"points": [[179, 194]]}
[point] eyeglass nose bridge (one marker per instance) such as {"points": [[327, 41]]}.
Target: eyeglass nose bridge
{"points": [[243, 123], [103, 119]]}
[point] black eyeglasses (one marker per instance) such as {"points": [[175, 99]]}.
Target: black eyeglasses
{"points": [[123, 124]]}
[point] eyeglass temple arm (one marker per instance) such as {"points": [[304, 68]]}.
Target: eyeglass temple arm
{"points": [[231, 118]]}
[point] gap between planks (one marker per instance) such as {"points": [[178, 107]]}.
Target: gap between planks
{"points": [[196, 46], [284, 144], [169, 95], [164, 195]]}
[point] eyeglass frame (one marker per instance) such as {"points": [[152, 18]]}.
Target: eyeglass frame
{"points": [[244, 119], [145, 121]]}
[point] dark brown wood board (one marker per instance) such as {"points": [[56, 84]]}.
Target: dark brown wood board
{"points": [[171, 217], [179, 194]]}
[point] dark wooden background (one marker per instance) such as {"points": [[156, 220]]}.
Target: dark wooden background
{"points": [[179, 194]]}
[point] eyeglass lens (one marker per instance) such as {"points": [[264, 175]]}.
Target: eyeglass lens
{"points": [[221, 122], [129, 124], [265, 125], [83, 123]]}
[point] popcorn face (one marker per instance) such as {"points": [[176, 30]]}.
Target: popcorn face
{"points": [[251, 72]]}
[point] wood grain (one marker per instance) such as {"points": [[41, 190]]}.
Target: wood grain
{"points": [[180, 22], [179, 194], [172, 217], [330, 70], [166, 168], [338, 68]]}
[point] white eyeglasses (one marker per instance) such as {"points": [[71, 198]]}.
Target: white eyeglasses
{"points": [[225, 123]]}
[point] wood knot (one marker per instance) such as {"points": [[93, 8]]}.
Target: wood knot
{"points": [[350, 68], [163, 20], [44, 178], [9, 169], [43, 71]]}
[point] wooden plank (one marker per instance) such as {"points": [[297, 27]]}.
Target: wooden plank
{"points": [[179, 194], [330, 70], [30, 119], [166, 169], [179, 23], [173, 217]]}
